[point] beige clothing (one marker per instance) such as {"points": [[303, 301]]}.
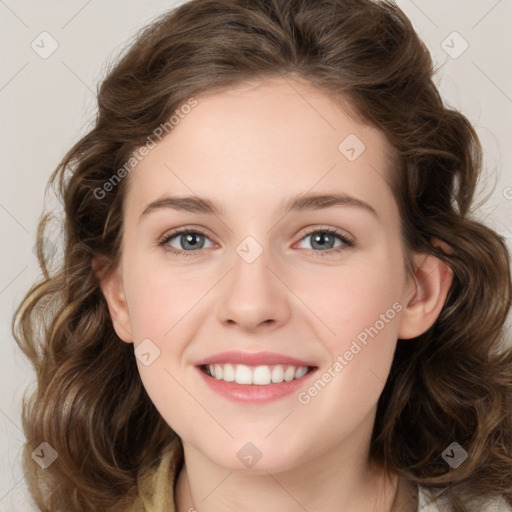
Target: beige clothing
{"points": [[156, 489]]}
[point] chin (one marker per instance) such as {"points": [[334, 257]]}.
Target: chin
{"points": [[253, 457]]}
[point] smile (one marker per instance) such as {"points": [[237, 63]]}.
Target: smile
{"points": [[261, 375], [254, 377]]}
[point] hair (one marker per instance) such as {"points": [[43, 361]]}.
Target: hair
{"points": [[451, 384]]}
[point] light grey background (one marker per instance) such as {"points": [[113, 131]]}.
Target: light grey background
{"points": [[47, 104]]}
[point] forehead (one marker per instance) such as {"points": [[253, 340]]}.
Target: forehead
{"points": [[258, 142]]}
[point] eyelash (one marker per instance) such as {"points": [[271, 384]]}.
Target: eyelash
{"points": [[347, 242]]}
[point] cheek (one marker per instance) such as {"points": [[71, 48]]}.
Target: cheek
{"points": [[364, 315], [349, 300], [161, 296], [359, 310]]}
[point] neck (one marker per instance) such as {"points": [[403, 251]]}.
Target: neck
{"points": [[324, 483]]}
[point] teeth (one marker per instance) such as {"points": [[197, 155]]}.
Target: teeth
{"points": [[300, 372], [289, 374], [257, 375], [243, 374], [262, 376], [228, 373], [277, 373]]}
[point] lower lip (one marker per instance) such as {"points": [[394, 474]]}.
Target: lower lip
{"points": [[254, 392]]}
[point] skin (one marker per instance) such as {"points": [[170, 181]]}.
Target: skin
{"points": [[249, 149]]}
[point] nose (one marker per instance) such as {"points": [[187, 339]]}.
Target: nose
{"points": [[253, 295]]}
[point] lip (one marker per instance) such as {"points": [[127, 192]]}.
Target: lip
{"points": [[253, 393], [253, 359]]}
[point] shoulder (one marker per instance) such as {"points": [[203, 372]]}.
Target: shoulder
{"points": [[429, 501]]}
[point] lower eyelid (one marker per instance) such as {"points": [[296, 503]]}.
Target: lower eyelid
{"points": [[346, 241]]}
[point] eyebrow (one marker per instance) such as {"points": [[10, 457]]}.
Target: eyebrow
{"points": [[300, 202]]}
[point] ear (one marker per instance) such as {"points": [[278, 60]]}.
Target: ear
{"points": [[432, 280], [111, 283]]}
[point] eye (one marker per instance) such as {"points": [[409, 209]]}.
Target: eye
{"points": [[188, 241], [323, 241]]}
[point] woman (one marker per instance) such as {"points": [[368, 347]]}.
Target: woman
{"points": [[195, 354]]}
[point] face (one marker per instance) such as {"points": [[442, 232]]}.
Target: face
{"points": [[263, 282]]}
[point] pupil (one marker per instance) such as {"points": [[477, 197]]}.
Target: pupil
{"points": [[318, 239], [190, 238]]}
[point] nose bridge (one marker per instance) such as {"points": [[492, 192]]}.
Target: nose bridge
{"points": [[253, 294], [251, 274]]}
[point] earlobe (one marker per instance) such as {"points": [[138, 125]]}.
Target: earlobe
{"points": [[112, 288], [432, 280]]}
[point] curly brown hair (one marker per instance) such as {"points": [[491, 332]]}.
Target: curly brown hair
{"points": [[454, 382]]}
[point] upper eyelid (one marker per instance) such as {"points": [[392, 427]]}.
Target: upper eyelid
{"points": [[306, 232], [180, 231]]}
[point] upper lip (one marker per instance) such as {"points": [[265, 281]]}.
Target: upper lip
{"points": [[252, 359]]}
